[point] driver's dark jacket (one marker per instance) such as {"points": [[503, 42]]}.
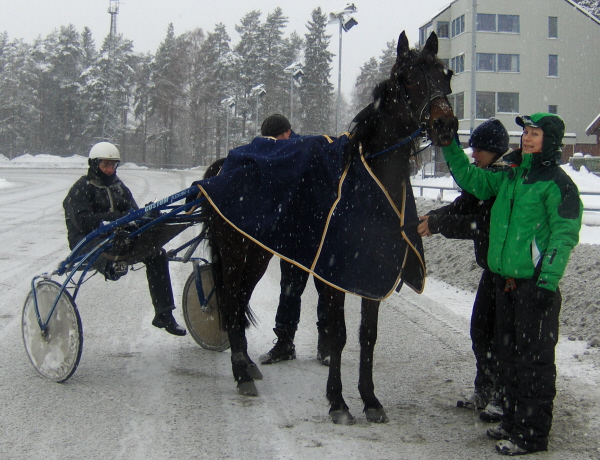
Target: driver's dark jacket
{"points": [[92, 201]]}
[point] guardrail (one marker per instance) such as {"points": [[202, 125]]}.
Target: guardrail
{"points": [[455, 189]]}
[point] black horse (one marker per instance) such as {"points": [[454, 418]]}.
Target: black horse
{"points": [[414, 96]]}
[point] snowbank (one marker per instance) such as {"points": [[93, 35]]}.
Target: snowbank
{"points": [[453, 261]]}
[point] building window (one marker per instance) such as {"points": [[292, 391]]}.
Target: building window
{"points": [[508, 63], [458, 105], [509, 23], [553, 65], [504, 23], [486, 62], [424, 33], [458, 25], [508, 102], [485, 104], [457, 64], [486, 22], [443, 29], [552, 27], [553, 109]]}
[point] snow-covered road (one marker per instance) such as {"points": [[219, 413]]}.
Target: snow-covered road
{"points": [[140, 393]]}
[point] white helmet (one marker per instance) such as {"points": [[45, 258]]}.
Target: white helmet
{"points": [[104, 151]]}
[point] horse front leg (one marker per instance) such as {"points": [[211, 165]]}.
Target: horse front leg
{"points": [[339, 411], [367, 339], [244, 370]]}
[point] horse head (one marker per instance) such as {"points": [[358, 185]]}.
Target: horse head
{"points": [[424, 84]]}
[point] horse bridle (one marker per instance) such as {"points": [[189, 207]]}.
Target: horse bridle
{"points": [[422, 114], [417, 115]]}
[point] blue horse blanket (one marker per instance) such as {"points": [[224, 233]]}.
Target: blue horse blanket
{"points": [[305, 201]]}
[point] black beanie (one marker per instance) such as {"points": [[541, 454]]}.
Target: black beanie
{"points": [[275, 125], [491, 135]]}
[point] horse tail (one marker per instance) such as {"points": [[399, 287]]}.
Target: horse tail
{"points": [[210, 218]]}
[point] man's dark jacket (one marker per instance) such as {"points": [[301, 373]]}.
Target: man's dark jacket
{"points": [[93, 199]]}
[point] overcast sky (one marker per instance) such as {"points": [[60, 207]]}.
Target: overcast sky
{"points": [[145, 22]]}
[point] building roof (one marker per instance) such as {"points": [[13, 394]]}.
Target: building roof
{"points": [[571, 2], [594, 127]]}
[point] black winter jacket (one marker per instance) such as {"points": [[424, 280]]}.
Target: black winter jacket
{"points": [[466, 218], [93, 199]]}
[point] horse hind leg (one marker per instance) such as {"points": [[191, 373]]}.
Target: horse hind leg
{"points": [[368, 337]]}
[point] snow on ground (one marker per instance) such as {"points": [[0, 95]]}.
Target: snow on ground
{"points": [[140, 393]]}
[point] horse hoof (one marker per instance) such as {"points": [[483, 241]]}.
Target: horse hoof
{"points": [[247, 389], [376, 416], [254, 372], [342, 417]]}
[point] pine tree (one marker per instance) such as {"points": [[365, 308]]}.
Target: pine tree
{"points": [[108, 84], [317, 91], [166, 93], [61, 118], [276, 99], [365, 82], [18, 81], [250, 64]]}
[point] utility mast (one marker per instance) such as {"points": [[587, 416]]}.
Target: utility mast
{"points": [[113, 113], [113, 10]]}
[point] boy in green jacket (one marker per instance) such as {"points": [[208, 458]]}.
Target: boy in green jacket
{"points": [[534, 225]]}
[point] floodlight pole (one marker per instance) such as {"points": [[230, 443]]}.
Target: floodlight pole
{"points": [[339, 94]]}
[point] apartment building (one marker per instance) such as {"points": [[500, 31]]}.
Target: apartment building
{"points": [[529, 56]]}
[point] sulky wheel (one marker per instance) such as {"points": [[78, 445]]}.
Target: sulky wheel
{"points": [[204, 323], [55, 352]]}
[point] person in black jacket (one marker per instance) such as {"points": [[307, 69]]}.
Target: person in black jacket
{"points": [[467, 217], [293, 283], [101, 196]]}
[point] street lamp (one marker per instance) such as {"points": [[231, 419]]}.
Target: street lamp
{"points": [[228, 103], [258, 90], [295, 72], [346, 22]]}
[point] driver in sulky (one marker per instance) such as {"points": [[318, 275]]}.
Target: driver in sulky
{"points": [[100, 196]]}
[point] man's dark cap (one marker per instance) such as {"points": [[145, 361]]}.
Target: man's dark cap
{"points": [[491, 136], [275, 125]]}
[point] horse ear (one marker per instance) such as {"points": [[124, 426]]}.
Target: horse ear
{"points": [[431, 46], [403, 47]]}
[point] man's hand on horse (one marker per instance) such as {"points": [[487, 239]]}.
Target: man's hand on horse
{"points": [[423, 228]]}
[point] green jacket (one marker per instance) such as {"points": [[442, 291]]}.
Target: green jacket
{"points": [[536, 218]]}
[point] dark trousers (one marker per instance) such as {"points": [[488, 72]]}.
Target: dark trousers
{"points": [[157, 274], [483, 320], [159, 282], [527, 335], [293, 283]]}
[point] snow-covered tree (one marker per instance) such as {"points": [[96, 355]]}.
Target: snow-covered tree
{"points": [[18, 83], [166, 93], [317, 91]]}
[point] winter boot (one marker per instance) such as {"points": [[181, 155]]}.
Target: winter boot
{"points": [[510, 448], [493, 411], [498, 432], [283, 350], [477, 401], [167, 321], [323, 347]]}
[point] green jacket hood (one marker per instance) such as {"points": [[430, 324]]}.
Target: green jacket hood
{"points": [[553, 127]]}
